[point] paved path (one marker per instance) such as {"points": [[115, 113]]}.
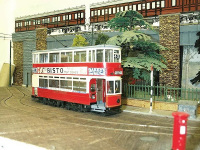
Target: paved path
{"points": [[31, 122]]}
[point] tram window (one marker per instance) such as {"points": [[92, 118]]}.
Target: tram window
{"points": [[99, 55], [66, 57], [109, 55], [117, 86], [113, 87], [53, 83], [76, 86], [110, 87], [82, 86], [35, 58], [80, 56], [93, 88], [43, 83], [66, 84], [116, 56], [92, 56], [54, 57], [43, 58]]}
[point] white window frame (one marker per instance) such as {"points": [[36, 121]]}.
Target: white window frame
{"points": [[135, 7], [162, 4], [139, 6], [173, 3], [153, 5]]}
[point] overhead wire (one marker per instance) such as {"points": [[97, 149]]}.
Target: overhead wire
{"points": [[4, 36]]}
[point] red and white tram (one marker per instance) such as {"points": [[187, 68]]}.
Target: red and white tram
{"points": [[84, 78]]}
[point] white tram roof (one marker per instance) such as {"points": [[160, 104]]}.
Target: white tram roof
{"points": [[78, 48]]}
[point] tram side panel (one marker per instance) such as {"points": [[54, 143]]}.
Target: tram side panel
{"points": [[73, 97], [113, 100]]}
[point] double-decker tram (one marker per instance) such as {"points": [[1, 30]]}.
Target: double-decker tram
{"points": [[79, 78]]}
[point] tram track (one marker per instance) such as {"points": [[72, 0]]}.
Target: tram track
{"points": [[72, 119]]}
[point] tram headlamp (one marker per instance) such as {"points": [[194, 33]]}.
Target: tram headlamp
{"points": [[93, 96]]}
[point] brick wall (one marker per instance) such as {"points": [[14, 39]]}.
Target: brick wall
{"points": [[18, 61], [23, 45], [41, 36], [169, 34]]}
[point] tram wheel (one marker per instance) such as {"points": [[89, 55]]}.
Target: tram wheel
{"points": [[67, 106], [62, 104], [58, 103], [80, 107], [44, 101]]}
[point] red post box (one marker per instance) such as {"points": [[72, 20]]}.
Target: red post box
{"points": [[180, 130]]}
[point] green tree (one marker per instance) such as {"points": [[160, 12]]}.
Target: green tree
{"points": [[138, 50], [79, 40], [101, 39], [128, 20]]}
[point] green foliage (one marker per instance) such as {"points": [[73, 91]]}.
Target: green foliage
{"points": [[138, 50], [101, 39], [139, 53], [128, 20], [79, 40], [128, 37]]}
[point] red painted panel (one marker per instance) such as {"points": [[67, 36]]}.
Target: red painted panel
{"points": [[93, 91], [81, 98], [33, 91], [111, 100]]}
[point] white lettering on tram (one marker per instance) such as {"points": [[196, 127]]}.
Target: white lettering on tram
{"points": [[97, 71], [62, 70]]}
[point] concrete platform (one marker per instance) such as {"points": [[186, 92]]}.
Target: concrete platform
{"points": [[155, 112]]}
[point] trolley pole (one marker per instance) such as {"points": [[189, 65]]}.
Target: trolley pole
{"points": [[151, 98]]}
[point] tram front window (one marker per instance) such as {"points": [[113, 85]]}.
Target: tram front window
{"points": [[116, 56], [117, 86], [110, 87], [113, 87]]}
